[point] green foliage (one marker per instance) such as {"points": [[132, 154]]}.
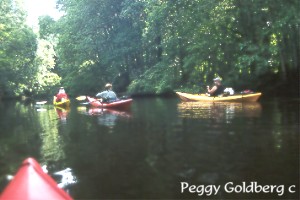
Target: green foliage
{"points": [[164, 45], [26, 62], [45, 78], [47, 27], [158, 79], [151, 46], [17, 51], [106, 33]]}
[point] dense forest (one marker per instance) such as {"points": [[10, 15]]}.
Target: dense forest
{"points": [[151, 46]]}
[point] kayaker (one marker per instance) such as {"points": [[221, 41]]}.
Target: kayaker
{"points": [[61, 95], [107, 95], [217, 89]]}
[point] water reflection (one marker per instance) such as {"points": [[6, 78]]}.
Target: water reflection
{"points": [[62, 113], [52, 146], [106, 117], [161, 143], [218, 110], [39, 106], [65, 178], [33, 130]]}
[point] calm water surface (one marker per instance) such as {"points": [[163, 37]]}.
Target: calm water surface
{"points": [[149, 151]]}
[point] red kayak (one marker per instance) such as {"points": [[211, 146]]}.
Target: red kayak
{"points": [[31, 182], [120, 104]]}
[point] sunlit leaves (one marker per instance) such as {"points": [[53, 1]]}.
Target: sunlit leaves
{"points": [[18, 46], [45, 78], [158, 44]]}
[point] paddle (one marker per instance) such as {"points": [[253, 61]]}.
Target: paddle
{"points": [[85, 103], [81, 98], [40, 102]]}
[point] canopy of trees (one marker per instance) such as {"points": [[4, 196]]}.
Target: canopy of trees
{"points": [[17, 49], [153, 46], [26, 61]]}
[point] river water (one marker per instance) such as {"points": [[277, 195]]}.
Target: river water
{"points": [[159, 149]]}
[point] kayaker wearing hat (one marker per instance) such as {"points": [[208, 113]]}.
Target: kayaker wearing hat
{"points": [[107, 95], [61, 95], [217, 89]]}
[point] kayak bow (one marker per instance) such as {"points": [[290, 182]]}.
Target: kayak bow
{"points": [[31, 182]]}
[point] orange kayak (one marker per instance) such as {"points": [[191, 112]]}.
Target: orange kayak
{"points": [[31, 182]]}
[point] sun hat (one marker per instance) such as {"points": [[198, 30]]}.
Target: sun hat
{"points": [[108, 85], [217, 79]]}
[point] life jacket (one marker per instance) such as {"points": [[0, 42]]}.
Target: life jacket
{"points": [[220, 90], [59, 96]]}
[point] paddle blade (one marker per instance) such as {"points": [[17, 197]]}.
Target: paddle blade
{"points": [[40, 102], [81, 98]]}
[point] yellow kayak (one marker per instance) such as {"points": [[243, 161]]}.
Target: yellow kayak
{"points": [[251, 97], [63, 103]]}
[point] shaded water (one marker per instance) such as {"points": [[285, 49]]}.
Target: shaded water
{"points": [[149, 151]]}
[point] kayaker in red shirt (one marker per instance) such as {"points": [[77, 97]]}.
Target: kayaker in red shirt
{"points": [[61, 95]]}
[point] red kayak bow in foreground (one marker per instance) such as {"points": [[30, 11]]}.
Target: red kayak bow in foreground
{"points": [[32, 183]]}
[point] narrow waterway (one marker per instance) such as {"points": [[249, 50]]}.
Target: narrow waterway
{"points": [[159, 149]]}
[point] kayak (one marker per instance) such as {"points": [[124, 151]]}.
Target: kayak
{"points": [[63, 103], [251, 97], [119, 104], [31, 182]]}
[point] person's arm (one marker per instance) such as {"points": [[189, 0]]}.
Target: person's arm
{"points": [[212, 90], [100, 94]]}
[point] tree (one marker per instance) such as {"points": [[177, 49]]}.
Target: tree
{"points": [[17, 52], [102, 40], [158, 45]]}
